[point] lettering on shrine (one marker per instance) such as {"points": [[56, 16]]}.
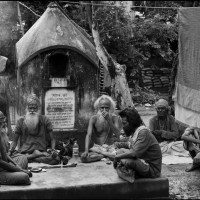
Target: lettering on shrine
{"points": [[60, 108]]}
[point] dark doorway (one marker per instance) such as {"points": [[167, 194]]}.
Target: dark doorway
{"points": [[58, 65]]}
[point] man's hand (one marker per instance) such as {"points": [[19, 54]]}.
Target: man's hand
{"points": [[23, 170], [157, 132], [10, 153], [45, 154], [96, 150], [105, 115], [28, 172], [196, 159], [84, 154]]}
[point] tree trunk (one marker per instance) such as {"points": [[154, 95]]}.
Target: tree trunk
{"points": [[119, 84]]}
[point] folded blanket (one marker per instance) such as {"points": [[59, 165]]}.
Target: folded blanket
{"points": [[174, 153], [173, 148]]}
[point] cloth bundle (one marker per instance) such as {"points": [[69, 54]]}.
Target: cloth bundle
{"points": [[125, 173]]}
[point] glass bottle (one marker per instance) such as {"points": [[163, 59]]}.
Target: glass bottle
{"points": [[75, 155]]}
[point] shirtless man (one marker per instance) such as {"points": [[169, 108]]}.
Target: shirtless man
{"points": [[104, 127]]}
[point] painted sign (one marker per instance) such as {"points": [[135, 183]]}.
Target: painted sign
{"points": [[58, 82], [60, 108]]}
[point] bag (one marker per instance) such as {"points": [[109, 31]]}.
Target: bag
{"points": [[125, 173], [65, 147]]}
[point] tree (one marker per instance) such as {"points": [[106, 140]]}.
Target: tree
{"points": [[132, 41], [116, 71], [119, 71]]}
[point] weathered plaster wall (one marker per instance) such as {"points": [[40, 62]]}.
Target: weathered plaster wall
{"points": [[87, 90], [33, 79], [30, 81]]}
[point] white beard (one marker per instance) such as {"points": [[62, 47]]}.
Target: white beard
{"points": [[31, 121]]}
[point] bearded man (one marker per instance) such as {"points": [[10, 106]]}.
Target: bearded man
{"points": [[163, 125], [34, 132], [103, 130], [165, 129]]}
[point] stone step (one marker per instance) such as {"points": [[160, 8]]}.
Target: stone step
{"points": [[96, 180]]}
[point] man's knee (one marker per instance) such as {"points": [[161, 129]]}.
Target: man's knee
{"points": [[23, 179], [14, 178], [36, 152]]}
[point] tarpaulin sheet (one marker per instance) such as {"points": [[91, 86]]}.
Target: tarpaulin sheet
{"points": [[187, 90]]}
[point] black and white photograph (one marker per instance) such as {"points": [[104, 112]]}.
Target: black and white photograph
{"points": [[99, 100]]}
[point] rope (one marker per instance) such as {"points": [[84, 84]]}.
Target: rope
{"points": [[29, 9], [101, 79], [82, 3]]}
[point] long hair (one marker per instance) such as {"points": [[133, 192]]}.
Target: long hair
{"points": [[103, 97], [132, 116]]}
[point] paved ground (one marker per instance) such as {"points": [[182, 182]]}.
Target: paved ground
{"points": [[96, 180], [182, 185]]}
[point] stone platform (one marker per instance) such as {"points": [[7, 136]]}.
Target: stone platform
{"points": [[96, 180]]}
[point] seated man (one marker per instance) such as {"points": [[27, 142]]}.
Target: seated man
{"points": [[103, 130], [191, 138], [141, 153], [164, 128], [34, 131], [163, 125], [12, 171]]}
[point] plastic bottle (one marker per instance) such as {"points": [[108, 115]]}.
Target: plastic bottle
{"points": [[75, 155]]}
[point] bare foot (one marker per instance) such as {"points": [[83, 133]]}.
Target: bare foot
{"points": [[191, 168], [45, 154], [37, 154]]}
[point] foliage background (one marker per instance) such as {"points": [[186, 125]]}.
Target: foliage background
{"points": [[151, 35]]}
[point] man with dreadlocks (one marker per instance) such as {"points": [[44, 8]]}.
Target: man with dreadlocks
{"points": [[34, 133], [142, 153]]}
